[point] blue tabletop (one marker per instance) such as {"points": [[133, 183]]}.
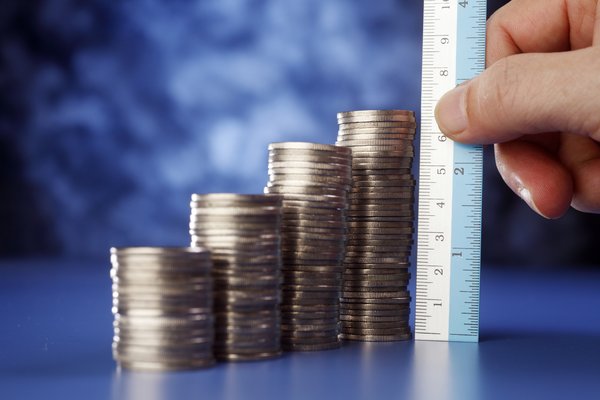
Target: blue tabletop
{"points": [[540, 338]]}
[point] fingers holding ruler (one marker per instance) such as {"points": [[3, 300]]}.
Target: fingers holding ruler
{"points": [[450, 179]]}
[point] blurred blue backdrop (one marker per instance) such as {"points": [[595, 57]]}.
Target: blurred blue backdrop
{"points": [[113, 113]]}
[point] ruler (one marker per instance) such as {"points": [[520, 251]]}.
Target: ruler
{"points": [[450, 179]]}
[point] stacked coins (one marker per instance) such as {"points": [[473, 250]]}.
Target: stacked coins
{"points": [[314, 180], [375, 302], [242, 232], [162, 303]]}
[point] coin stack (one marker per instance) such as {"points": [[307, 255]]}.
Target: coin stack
{"points": [[242, 233], [162, 306], [314, 180], [375, 302]]}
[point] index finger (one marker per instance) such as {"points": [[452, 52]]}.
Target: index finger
{"points": [[540, 26]]}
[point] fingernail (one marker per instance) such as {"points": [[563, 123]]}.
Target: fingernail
{"points": [[525, 194], [451, 111]]}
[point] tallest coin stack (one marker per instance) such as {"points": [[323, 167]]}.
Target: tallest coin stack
{"points": [[375, 302]]}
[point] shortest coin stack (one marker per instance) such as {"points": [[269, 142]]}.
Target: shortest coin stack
{"points": [[162, 306]]}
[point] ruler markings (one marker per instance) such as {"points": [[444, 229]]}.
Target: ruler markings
{"points": [[450, 179]]}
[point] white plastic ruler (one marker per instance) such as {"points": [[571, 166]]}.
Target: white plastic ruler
{"points": [[450, 179]]}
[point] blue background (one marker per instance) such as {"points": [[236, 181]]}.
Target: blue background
{"points": [[113, 113]]}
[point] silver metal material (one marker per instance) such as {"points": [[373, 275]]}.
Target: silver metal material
{"points": [[162, 306], [380, 224], [243, 233]]}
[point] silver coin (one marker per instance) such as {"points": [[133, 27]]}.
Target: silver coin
{"points": [[379, 193], [353, 135], [351, 130], [166, 365], [308, 176], [309, 339], [310, 219], [299, 179], [300, 292], [374, 121], [354, 262], [395, 300], [376, 338], [305, 212], [375, 331], [350, 314], [353, 224], [314, 240], [350, 124], [248, 357], [292, 321], [195, 273], [337, 201], [364, 268], [376, 189], [342, 175], [400, 146], [312, 347], [309, 157], [171, 352], [376, 207], [378, 171], [400, 322], [387, 166], [388, 204], [158, 251], [222, 211], [248, 348], [232, 198], [328, 165], [357, 219], [332, 316], [312, 267], [289, 276], [311, 329], [368, 113], [308, 190], [310, 301], [306, 146], [383, 212], [365, 149], [378, 276], [326, 182], [374, 286], [308, 288], [406, 130], [232, 221], [373, 183]]}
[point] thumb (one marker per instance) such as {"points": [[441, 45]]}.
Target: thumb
{"points": [[525, 94]]}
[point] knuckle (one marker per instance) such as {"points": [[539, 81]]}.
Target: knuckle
{"points": [[498, 91], [589, 121]]}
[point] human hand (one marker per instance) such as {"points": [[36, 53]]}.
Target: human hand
{"points": [[539, 101]]}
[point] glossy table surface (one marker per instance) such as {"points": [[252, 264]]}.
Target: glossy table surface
{"points": [[540, 338]]}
